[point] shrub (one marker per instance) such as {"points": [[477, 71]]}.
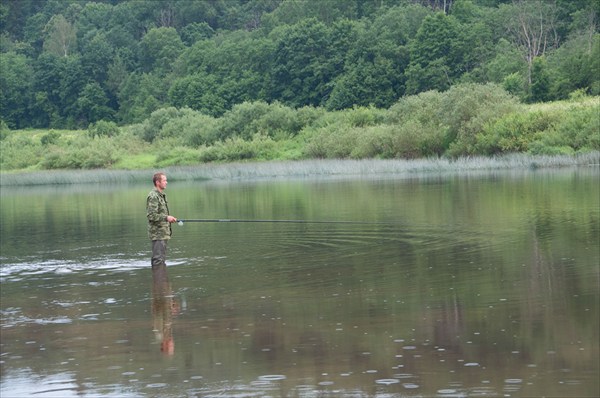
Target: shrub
{"points": [[151, 127], [468, 108], [50, 138], [240, 120], [19, 151], [81, 155], [274, 120], [513, 133], [103, 129], [373, 141], [335, 141], [364, 116], [234, 149], [424, 108], [574, 130], [191, 128], [461, 113]]}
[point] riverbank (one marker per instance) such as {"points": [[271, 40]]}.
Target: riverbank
{"points": [[305, 169]]}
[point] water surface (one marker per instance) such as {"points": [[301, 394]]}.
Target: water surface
{"points": [[456, 285]]}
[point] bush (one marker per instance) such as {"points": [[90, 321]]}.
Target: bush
{"points": [[547, 129], [575, 130], [468, 108], [274, 120], [50, 138], [191, 128], [234, 149], [103, 129], [512, 133], [363, 116], [240, 120], [19, 151], [151, 127], [410, 138], [335, 141], [461, 113], [81, 155]]}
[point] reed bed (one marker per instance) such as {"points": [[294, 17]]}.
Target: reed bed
{"points": [[305, 169]]}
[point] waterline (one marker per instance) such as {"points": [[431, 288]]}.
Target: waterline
{"points": [[304, 169]]}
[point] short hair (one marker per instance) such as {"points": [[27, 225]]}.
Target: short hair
{"points": [[156, 177]]}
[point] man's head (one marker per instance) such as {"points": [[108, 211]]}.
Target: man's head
{"points": [[160, 181]]}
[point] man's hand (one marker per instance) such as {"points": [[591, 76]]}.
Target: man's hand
{"points": [[171, 219]]}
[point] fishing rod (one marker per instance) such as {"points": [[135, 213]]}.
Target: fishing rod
{"points": [[233, 220]]}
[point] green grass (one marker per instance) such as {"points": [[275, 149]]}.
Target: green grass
{"points": [[136, 162]]}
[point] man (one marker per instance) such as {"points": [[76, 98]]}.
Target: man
{"points": [[159, 220]]}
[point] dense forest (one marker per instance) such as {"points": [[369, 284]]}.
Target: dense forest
{"points": [[105, 64]]}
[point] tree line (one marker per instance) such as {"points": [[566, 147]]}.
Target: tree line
{"points": [[71, 63]]}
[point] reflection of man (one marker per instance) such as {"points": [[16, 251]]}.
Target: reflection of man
{"points": [[159, 220], [163, 308]]}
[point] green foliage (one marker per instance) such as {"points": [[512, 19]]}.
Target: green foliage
{"points": [[103, 129], [177, 156], [68, 64], [50, 138], [468, 119], [248, 119], [152, 126], [578, 130], [514, 132], [408, 140], [4, 130], [459, 113], [540, 81], [560, 129], [19, 151], [61, 36], [158, 48], [235, 149], [16, 74]]}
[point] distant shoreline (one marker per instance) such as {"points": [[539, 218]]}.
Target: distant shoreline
{"points": [[303, 169]]}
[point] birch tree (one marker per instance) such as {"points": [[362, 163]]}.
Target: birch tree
{"points": [[531, 25], [61, 36]]}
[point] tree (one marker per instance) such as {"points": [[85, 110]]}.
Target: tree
{"points": [[531, 25], [15, 81], [158, 48], [302, 70], [198, 92], [141, 94], [540, 81], [61, 37], [96, 57], [435, 55], [196, 31], [92, 105], [48, 71]]}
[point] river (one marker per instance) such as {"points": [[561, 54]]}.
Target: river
{"points": [[482, 284]]}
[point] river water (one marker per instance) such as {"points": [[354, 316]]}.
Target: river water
{"points": [[456, 285]]}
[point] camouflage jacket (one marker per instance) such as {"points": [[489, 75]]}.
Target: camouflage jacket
{"points": [[157, 211]]}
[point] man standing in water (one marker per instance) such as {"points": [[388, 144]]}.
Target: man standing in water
{"points": [[159, 220]]}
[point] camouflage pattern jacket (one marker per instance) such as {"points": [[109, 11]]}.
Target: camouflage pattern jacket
{"points": [[157, 211]]}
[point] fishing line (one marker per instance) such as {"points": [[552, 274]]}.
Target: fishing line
{"points": [[228, 220]]}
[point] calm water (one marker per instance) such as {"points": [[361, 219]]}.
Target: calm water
{"points": [[478, 285]]}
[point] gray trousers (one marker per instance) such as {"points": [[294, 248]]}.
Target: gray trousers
{"points": [[159, 253]]}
